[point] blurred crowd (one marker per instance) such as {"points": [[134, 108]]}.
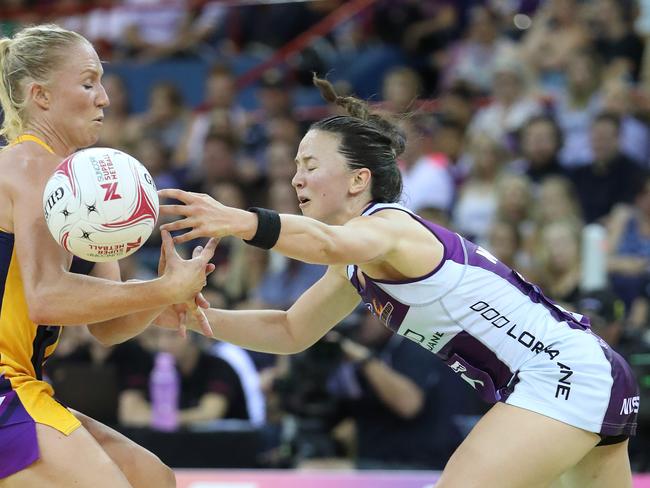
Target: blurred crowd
{"points": [[527, 120]]}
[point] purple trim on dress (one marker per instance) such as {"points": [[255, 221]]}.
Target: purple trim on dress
{"points": [[18, 439], [484, 367], [453, 249], [620, 417]]}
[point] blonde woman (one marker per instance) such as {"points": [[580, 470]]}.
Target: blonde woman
{"points": [[53, 103]]}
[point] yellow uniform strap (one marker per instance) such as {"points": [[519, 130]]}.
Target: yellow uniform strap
{"points": [[32, 138]]}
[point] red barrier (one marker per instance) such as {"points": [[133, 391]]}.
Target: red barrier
{"points": [[343, 13]]}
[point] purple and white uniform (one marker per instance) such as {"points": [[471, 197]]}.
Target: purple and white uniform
{"points": [[501, 335]]}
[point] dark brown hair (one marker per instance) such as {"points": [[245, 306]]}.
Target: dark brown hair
{"points": [[367, 141]]}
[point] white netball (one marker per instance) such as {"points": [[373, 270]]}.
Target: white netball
{"points": [[100, 204]]}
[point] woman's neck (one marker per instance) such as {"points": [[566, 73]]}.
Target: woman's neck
{"points": [[49, 136], [354, 209]]}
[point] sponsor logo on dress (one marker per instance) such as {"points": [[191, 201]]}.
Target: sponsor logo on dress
{"points": [[383, 312], [459, 368], [630, 405]]}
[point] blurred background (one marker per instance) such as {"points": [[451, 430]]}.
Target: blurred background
{"points": [[527, 124]]}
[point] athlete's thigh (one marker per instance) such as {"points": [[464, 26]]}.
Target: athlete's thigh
{"points": [[602, 467], [76, 460], [142, 468], [511, 447]]}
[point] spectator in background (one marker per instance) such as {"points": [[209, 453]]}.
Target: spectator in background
{"points": [[558, 262], [608, 179], [506, 244], [449, 140], [401, 89], [635, 136], [511, 105], [220, 97], [275, 100], [614, 38], [576, 106], [151, 29], [393, 389], [556, 202], [555, 35], [209, 388], [457, 103], [540, 141], [164, 119], [427, 182], [476, 206], [421, 29], [515, 202], [474, 59], [629, 239]]}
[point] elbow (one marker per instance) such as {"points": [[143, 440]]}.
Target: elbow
{"points": [[42, 310], [100, 331], [104, 339]]}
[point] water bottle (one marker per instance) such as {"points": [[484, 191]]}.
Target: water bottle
{"points": [[594, 258], [164, 391]]}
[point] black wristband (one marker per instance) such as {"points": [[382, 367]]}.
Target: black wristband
{"points": [[268, 228]]}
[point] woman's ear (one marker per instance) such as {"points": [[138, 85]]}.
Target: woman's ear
{"points": [[360, 180], [40, 94]]}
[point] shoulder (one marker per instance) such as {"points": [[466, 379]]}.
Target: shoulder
{"points": [[19, 164]]}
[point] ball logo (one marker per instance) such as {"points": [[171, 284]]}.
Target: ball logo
{"points": [[111, 191], [54, 197], [133, 245]]}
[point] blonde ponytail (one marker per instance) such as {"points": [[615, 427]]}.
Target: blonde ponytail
{"points": [[12, 123]]}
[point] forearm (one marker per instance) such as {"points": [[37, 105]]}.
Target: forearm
{"points": [[627, 265], [396, 391], [133, 409], [301, 238], [257, 330], [121, 329], [58, 302], [211, 407]]}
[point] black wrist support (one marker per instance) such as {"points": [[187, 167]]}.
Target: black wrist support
{"points": [[268, 228]]}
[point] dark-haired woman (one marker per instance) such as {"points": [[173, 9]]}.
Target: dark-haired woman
{"points": [[565, 403]]}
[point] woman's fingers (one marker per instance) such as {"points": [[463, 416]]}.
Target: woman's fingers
{"points": [[184, 210], [168, 244], [177, 224], [176, 194], [201, 301]]}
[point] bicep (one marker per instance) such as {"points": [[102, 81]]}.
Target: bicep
{"points": [[41, 259], [321, 307], [365, 240]]}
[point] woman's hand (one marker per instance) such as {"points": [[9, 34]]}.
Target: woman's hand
{"points": [[206, 217], [176, 316], [185, 278]]}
